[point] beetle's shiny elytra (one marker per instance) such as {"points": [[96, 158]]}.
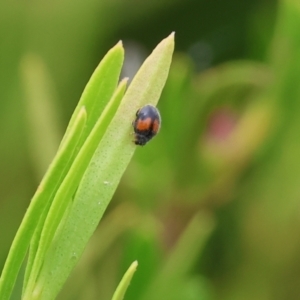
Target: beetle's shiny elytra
{"points": [[146, 125]]}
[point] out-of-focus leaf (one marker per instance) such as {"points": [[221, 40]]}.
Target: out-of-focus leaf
{"points": [[181, 259]]}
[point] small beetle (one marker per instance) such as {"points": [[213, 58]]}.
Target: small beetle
{"points": [[146, 125]]}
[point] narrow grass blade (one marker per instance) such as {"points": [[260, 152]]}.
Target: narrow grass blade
{"points": [[109, 68], [100, 88], [103, 174], [124, 283], [41, 199], [68, 187]]}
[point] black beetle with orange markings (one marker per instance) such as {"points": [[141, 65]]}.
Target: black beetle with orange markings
{"points": [[146, 125]]}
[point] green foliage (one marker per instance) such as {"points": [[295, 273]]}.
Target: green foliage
{"points": [[88, 166], [123, 285], [209, 208]]}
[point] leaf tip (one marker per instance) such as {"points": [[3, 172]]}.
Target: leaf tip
{"points": [[169, 40], [132, 268], [120, 44], [82, 114], [117, 48], [124, 80], [82, 111], [134, 265]]}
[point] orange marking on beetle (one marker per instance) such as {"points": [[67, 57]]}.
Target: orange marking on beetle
{"points": [[156, 125], [144, 124]]}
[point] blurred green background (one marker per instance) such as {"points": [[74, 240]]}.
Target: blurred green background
{"points": [[211, 207]]}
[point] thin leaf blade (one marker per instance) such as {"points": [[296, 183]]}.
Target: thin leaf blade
{"points": [[104, 172]]}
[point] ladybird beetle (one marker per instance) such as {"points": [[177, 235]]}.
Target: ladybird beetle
{"points": [[146, 125]]}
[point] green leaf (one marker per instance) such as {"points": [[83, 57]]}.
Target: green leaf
{"points": [[41, 112], [68, 187], [181, 259], [103, 174], [124, 283], [79, 127], [39, 203], [100, 88]]}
